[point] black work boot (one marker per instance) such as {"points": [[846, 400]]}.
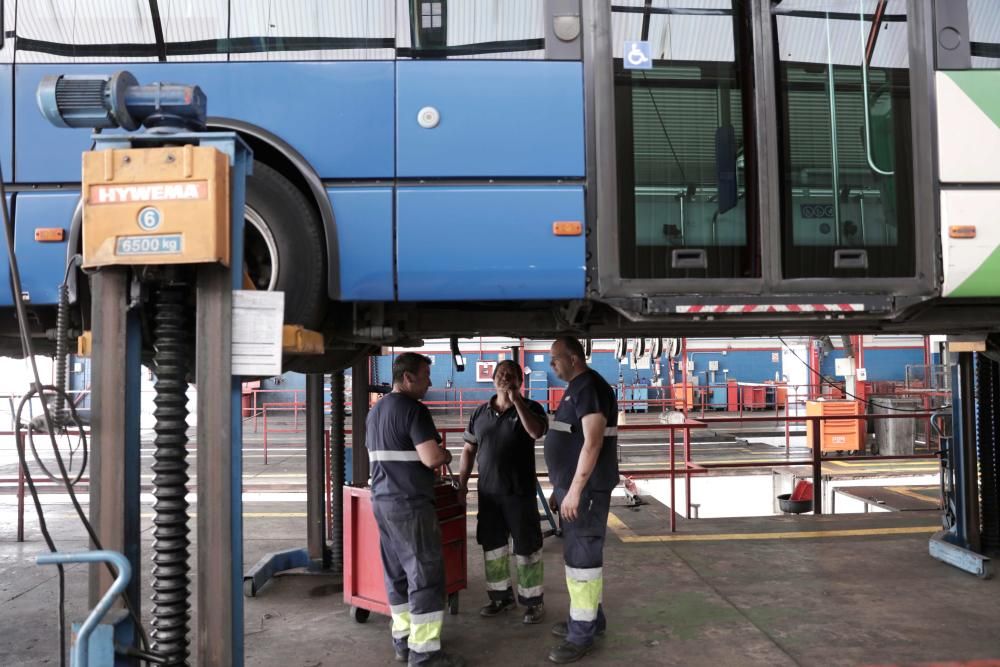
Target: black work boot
{"points": [[560, 630], [534, 614], [496, 607], [402, 653], [568, 652], [442, 659]]}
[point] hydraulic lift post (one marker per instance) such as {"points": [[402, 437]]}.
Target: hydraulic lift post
{"points": [[162, 229]]}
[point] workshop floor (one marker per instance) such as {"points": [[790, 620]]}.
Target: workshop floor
{"points": [[850, 589], [709, 595]]}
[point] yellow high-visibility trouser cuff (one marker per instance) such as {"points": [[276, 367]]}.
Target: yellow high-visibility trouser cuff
{"points": [[400, 620], [425, 632], [586, 588]]}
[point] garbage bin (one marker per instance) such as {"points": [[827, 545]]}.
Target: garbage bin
{"points": [[895, 437]]}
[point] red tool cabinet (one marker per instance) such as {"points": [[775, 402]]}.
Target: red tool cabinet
{"points": [[364, 587]]}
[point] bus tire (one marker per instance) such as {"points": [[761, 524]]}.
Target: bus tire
{"points": [[284, 247]]}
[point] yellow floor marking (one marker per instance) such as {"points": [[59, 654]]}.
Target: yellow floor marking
{"points": [[253, 515], [910, 493], [627, 535], [855, 464]]}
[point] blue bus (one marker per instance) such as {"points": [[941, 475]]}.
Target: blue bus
{"points": [[429, 168]]}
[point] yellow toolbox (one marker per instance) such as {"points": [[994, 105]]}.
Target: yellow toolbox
{"points": [[155, 206]]}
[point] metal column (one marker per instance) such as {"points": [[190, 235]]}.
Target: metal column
{"points": [[114, 463], [359, 414], [315, 473], [220, 447]]}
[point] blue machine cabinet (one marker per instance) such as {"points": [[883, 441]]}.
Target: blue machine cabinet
{"points": [[538, 387]]}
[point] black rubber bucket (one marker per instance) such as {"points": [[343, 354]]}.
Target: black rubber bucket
{"points": [[789, 506]]}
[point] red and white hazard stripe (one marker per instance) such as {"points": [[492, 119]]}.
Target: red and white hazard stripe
{"points": [[730, 309]]}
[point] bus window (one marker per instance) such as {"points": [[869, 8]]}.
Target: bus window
{"points": [[846, 156], [984, 33], [684, 160], [121, 31], [312, 30], [480, 29]]}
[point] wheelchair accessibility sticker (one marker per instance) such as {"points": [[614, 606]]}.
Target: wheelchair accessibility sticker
{"points": [[638, 55]]}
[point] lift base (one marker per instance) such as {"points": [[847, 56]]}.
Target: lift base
{"points": [[284, 562], [963, 559]]}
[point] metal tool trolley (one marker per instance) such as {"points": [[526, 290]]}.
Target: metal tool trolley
{"points": [[364, 588]]}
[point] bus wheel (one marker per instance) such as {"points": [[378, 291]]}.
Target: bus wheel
{"points": [[284, 248]]}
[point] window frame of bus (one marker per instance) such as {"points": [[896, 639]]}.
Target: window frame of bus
{"points": [[743, 259], [804, 260], [603, 269]]}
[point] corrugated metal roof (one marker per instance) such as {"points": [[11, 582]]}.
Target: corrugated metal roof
{"points": [[77, 22], [677, 36], [841, 40], [358, 19], [7, 52]]}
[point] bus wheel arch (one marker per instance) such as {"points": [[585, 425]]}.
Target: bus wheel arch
{"points": [[283, 166]]}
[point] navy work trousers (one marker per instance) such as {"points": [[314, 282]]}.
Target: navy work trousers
{"points": [[414, 574], [583, 552]]}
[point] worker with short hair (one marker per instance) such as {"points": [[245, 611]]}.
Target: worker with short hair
{"points": [[404, 450], [501, 437], [582, 459]]}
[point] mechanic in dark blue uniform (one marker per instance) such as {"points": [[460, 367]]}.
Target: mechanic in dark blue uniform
{"points": [[581, 454], [501, 438], [404, 452]]}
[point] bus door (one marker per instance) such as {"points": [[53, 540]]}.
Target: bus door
{"points": [[760, 149], [683, 136]]}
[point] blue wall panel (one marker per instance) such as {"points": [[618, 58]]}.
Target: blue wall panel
{"points": [[42, 265], [7, 121], [497, 118], [880, 364], [743, 365], [364, 236], [458, 243], [5, 294], [351, 103]]}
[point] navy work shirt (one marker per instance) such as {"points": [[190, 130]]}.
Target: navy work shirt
{"points": [[396, 425], [586, 394], [505, 452]]}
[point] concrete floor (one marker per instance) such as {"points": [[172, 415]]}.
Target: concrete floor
{"points": [[753, 591], [704, 596]]}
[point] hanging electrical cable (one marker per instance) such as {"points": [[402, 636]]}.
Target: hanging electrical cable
{"points": [[866, 401], [39, 389]]}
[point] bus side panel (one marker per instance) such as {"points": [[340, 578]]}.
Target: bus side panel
{"points": [[338, 115], [6, 298], [488, 243], [968, 116], [364, 238], [497, 119], [42, 264], [7, 121]]}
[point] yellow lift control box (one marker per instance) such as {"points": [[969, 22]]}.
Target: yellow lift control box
{"points": [[146, 206]]}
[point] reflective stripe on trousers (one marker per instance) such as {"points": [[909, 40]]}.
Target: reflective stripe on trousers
{"points": [[497, 563], [400, 620], [530, 575], [425, 632], [586, 589]]}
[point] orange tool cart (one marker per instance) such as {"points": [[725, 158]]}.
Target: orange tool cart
{"points": [[835, 434]]}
